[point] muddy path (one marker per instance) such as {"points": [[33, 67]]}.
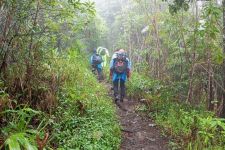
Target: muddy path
{"points": [[139, 132]]}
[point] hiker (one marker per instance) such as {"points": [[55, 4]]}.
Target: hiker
{"points": [[119, 72], [104, 52], [96, 63]]}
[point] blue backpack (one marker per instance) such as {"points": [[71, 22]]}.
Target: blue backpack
{"points": [[97, 59]]}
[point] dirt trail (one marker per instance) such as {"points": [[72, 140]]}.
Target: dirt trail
{"points": [[138, 131]]}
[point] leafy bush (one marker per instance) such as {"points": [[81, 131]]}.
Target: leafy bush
{"points": [[22, 127], [190, 127], [85, 117], [140, 86]]}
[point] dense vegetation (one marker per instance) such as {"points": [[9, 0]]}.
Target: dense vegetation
{"points": [[178, 62], [48, 95], [49, 98], [176, 48]]}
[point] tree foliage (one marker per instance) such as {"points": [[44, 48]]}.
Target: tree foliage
{"points": [[176, 49], [179, 44], [42, 46]]}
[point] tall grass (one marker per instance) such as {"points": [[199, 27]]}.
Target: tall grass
{"points": [[188, 127], [82, 116]]}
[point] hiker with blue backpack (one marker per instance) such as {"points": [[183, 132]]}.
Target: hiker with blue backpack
{"points": [[96, 63], [120, 70]]}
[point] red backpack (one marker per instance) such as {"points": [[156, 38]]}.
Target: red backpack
{"points": [[120, 63]]}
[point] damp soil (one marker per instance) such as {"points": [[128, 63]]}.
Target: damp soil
{"points": [[139, 132]]}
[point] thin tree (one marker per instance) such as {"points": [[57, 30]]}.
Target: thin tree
{"points": [[223, 65]]}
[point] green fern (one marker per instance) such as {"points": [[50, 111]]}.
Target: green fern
{"points": [[19, 140]]}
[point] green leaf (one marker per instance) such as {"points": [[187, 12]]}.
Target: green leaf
{"points": [[12, 143], [18, 140]]}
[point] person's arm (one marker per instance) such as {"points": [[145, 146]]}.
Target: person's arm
{"points": [[111, 69], [128, 69], [91, 59], [128, 73]]}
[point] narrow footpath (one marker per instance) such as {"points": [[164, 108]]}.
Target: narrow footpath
{"points": [[139, 132]]}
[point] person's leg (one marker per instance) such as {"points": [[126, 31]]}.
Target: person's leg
{"points": [[99, 73], [122, 90], [115, 89], [93, 68]]}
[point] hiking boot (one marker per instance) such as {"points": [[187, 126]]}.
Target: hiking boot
{"points": [[121, 99], [117, 98]]}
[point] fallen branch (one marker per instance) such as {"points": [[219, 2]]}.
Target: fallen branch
{"points": [[42, 142]]}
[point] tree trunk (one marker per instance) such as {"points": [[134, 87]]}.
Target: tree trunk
{"points": [[210, 82], [154, 23], [157, 40], [191, 72], [3, 39], [29, 61], [223, 65]]}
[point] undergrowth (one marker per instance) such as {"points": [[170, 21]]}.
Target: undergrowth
{"points": [[188, 127], [81, 113], [85, 116]]}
